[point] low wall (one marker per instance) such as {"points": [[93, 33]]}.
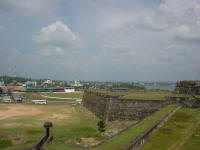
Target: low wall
{"points": [[48, 137], [186, 101], [110, 108], [140, 140]]}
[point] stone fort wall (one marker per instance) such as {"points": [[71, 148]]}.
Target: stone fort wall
{"points": [[188, 87], [110, 108]]}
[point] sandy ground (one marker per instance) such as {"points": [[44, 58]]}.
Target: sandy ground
{"points": [[10, 111], [18, 110]]}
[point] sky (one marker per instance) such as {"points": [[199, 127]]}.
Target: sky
{"points": [[101, 40]]}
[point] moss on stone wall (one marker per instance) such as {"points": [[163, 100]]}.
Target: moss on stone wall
{"points": [[188, 87]]}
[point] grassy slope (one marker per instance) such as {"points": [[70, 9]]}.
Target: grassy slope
{"points": [[175, 131], [152, 95], [193, 142], [126, 137], [142, 95], [116, 93], [147, 95], [79, 123]]}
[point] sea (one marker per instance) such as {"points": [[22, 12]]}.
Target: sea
{"points": [[164, 87]]}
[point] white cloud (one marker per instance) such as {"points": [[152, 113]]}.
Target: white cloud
{"points": [[179, 7], [2, 27], [143, 42], [147, 39], [151, 22], [58, 37], [190, 32], [36, 65], [30, 7], [117, 20], [133, 20], [169, 14], [52, 51], [183, 18]]}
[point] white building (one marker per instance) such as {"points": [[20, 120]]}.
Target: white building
{"points": [[76, 84], [31, 83], [2, 84], [69, 90], [47, 82]]}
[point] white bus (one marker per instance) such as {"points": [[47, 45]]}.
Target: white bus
{"points": [[39, 102], [79, 101]]}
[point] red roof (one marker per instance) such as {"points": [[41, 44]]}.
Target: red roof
{"points": [[58, 88], [8, 88]]}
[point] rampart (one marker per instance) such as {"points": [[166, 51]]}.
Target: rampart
{"points": [[110, 108], [140, 140], [188, 87]]}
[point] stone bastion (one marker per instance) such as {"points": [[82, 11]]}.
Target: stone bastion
{"points": [[110, 108]]}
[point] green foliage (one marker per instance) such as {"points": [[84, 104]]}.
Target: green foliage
{"points": [[147, 95], [193, 142], [32, 96], [5, 143], [142, 94], [9, 93], [75, 123], [128, 85], [8, 80], [1, 91], [101, 126]]}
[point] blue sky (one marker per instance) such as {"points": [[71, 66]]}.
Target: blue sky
{"points": [[105, 40]]}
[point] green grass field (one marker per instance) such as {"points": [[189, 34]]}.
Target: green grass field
{"points": [[133, 94], [193, 142], [142, 94], [112, 93], [65, 95], [152, 95], [122, 140], [60, 95], [22, 125], [31, 96], [181, 132]]}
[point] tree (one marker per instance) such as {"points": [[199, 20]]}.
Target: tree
{"points": [[1, 91], [101, 126], [9, 93]]}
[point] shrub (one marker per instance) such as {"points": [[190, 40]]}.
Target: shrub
{"points": [[5, 143], [101, 126]]}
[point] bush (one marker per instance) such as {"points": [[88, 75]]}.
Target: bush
{"points": [[101, 126], [5, 143]]}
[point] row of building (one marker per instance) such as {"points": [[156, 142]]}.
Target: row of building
{"points": [[53, 89], [38, 89]]}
